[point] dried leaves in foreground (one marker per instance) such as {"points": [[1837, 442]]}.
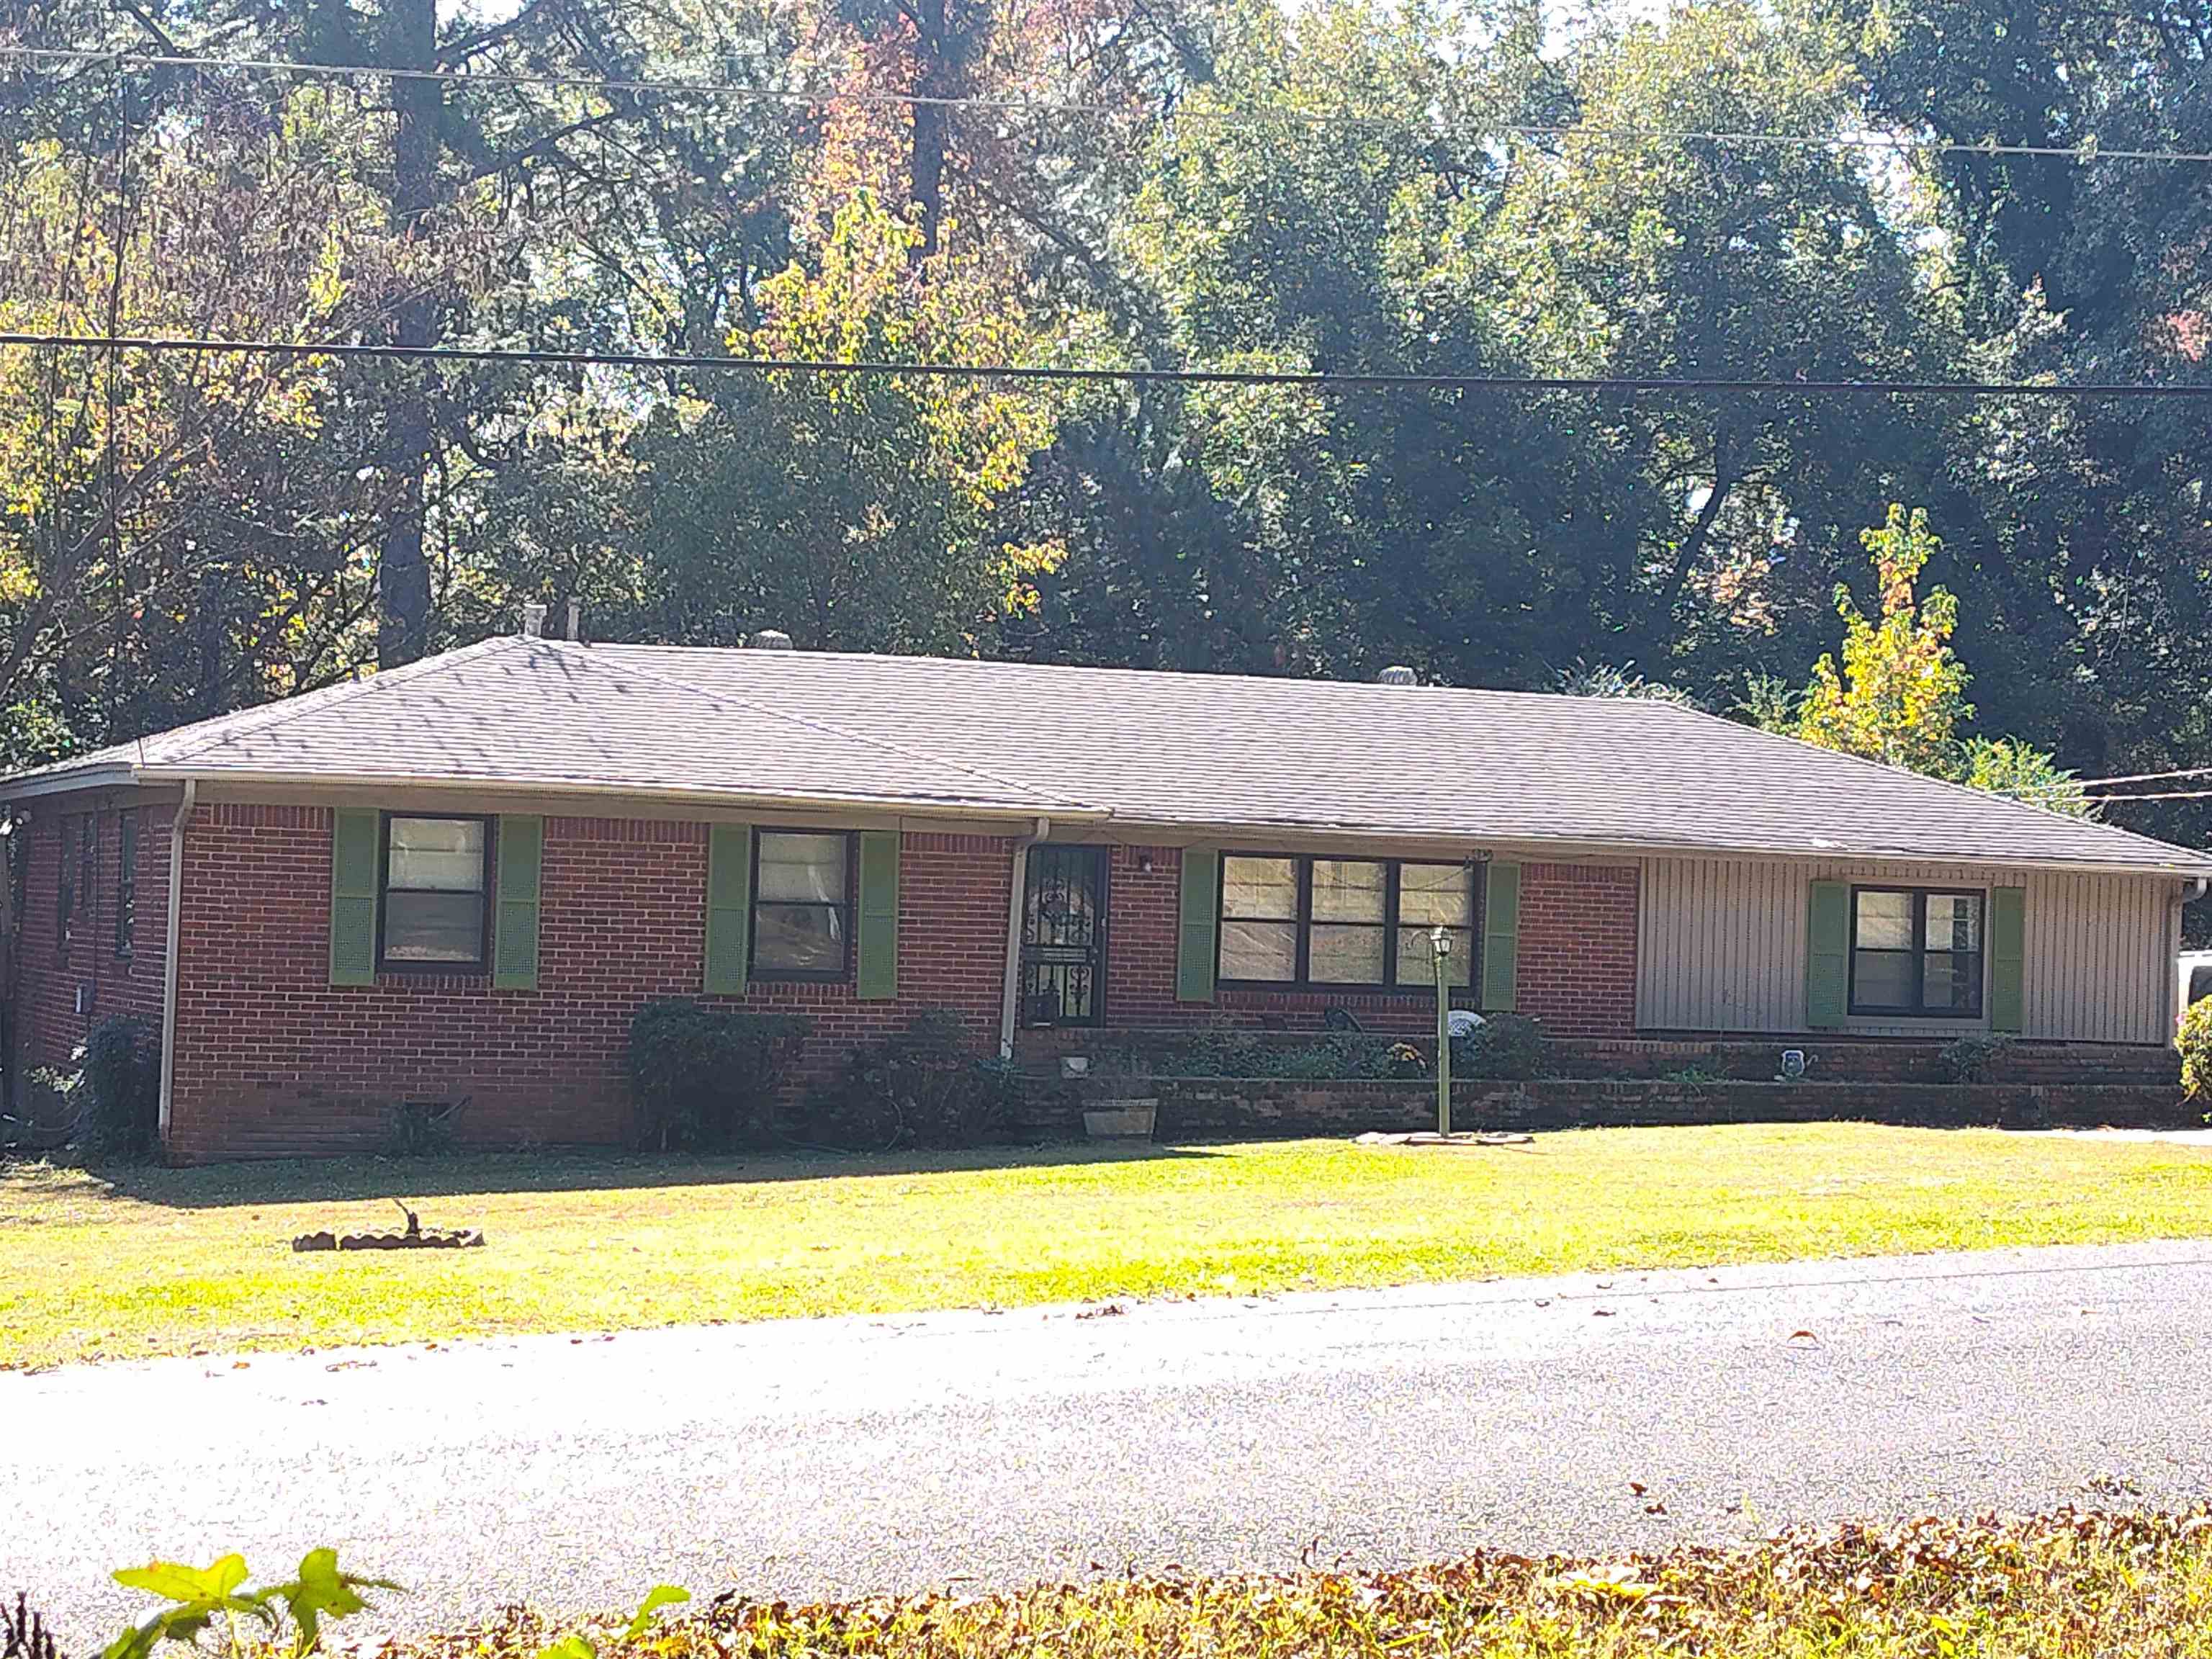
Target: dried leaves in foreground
{"points": [[2113, 1586]]}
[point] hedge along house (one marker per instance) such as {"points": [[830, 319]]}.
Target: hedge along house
{"points": [[461, 878]]}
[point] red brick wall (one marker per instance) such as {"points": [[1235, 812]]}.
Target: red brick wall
{"points": [[50, 970], [1576, 964], [273, 1059], [1578, 959]]}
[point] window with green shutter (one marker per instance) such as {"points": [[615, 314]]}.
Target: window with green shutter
{"points": [[2008, 959], [877, 978], [1501, 937], [1198, 930], [356, 862], [514, 938], [729, 906], [1827, 955]]}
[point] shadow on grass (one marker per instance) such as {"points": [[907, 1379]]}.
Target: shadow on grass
{"points": [[342, 1180]]}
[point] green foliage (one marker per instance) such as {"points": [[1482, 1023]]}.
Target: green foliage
{"points": [[120, 1093], [1901, 692], [1324, 1057], [1975, 1058], [926, 1086], [1604, 680], [578, 1645], [706, 1077], [215, 1599], [2193, 1038], [1511, 1047], [2007, 766]]}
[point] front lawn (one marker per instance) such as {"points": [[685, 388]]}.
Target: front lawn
{"points": [[138, 1261]]}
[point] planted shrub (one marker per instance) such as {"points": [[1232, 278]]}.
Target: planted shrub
{"points": [[1972, 1059], [706, 1077], [1328, 1057], [2194, 1040], [1508, 1047], [924, 1087], [120, 1088]]}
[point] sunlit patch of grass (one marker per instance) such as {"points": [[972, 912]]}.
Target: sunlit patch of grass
{"points": [[139, 1261]]}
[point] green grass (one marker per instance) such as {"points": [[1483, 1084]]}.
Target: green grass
{"points": [[139, 1261]]}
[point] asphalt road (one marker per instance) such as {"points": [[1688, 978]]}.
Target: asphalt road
{"points": [[1378, 1427]]}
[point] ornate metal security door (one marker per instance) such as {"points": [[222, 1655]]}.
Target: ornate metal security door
{"points": [[1064, 936]]}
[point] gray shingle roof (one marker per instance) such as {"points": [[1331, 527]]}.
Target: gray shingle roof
{"points": [[1198, 752]]}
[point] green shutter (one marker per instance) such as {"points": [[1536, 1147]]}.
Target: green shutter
{"points": [[514, 936], [356, 859], [1828, 956], [729, 907], [1501, 937], [2008, 959], [877, 980], [1196, 939]]}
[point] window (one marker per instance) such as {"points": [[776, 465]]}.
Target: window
{"points": [[1352, 922], [434, 881], [1916, 952], [802, 904], [126, 884]]}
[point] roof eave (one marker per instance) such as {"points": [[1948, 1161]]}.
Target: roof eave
{"points": [[30, 784], [904, 806], [1656, 847]]}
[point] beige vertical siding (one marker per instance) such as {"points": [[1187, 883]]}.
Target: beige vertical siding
{"points": [[1720, 947]]}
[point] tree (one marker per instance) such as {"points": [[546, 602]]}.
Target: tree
{"points": [[1900, 693]]}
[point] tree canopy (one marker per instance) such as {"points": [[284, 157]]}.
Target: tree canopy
{"points": [[1462, 187]]}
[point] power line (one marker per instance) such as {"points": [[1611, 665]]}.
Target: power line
{"points": [[2169, 794], [2147, 777], [1069, 374], [1275, 114]]}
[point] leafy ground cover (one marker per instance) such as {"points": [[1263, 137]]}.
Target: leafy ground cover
{"points": [[2058, 1586], [144, 1261]]}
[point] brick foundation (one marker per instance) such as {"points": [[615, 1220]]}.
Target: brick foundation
{"points": [[1196, 1107]]}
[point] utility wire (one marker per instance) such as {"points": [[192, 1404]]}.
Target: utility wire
{"points": [[2170, 794], [2146, 777], [1066, 374], [1276, 114]]}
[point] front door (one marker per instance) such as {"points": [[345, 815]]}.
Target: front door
{"points": [[1064, 936]]}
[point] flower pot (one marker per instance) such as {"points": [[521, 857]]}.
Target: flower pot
{"points": [[1120, 1120]]}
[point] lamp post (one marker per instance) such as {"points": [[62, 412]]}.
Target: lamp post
{"points": [[1440, 943]]}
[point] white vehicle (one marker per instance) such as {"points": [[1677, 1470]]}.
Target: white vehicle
{"points": [[2193, 978]]}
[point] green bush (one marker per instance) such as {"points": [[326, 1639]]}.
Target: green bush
{"points": [[706, 1077], [924, 1087], [2194, 1040], [1511, 1047], [1972, 1059], [120, 1090], [1328, 1057]]}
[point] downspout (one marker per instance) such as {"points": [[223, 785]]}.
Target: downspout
{"points": [[172, 959], [1010, 989]]}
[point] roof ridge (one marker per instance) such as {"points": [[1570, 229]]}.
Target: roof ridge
{"points": [[1980, 796], [283, 709], [819, 725]]}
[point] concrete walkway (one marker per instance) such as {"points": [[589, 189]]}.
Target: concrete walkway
{"points": [[829, 1456]]}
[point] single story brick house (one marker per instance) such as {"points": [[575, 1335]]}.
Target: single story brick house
{"points": [[463, 876]]}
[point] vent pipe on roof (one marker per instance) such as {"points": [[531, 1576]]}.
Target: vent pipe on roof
{"points": [[771, 639], [1397, 674], [533, 620], [575, 619]]}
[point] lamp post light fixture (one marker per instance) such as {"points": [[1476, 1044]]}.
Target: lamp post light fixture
{"points": [[1440, 943]]}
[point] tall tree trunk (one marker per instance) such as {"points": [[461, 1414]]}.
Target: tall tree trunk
{"points": [[403, 573], [1693, 543], [927, 163]]}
